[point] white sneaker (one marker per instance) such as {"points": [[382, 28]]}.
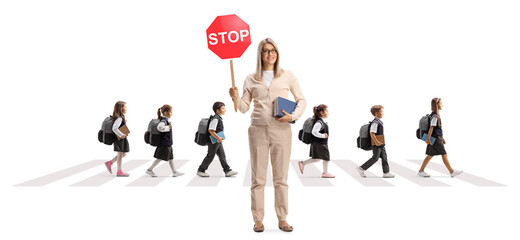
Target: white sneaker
{"points": [[388, 175], [455, 172], [361, 172], [151, 173], [231, 173], [423, 174], [202, 174], [177, 174]]}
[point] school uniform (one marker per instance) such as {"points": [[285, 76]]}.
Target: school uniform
{"points": [[319, 144], [164, 151], [378, 129], [438, 146], [216, 124], [120, 145]]}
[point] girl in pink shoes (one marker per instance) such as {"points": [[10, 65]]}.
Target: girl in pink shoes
{"points": [[121, 145], [164, 151], [437, 148], [320, 136]]}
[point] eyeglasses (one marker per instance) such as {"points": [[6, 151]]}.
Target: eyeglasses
{"points": [[267, 52]]}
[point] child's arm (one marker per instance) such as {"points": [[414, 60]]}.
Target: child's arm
{"points": [[429, 135], [115, 128], [162, 127], [212, 132], [374, 139]]}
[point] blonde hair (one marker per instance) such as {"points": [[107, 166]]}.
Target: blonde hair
{"points": [[259, 66]]}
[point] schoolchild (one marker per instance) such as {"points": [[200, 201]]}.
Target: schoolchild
{"points": [[121, 145]]}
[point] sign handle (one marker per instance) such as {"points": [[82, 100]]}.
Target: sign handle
{"points": [[233, 82]]}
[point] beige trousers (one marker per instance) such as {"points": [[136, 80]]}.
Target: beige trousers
{"points": [[273, 140]]}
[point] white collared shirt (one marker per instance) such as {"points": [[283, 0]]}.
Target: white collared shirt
{"points": [[213, 124], [163, 127], [374, 125], [317, 127]]}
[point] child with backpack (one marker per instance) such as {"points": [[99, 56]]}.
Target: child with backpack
{"points": [[164, 151], [121, 145], [437, 148], [216, 125], [319, 145], [378, 144]]}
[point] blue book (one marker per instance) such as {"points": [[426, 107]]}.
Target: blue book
{"points": [[425, 136], [214, 140], [285, 104]]}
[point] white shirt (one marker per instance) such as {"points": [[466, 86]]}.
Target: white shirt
{"points": [[375, 124], [317, 127], [116, 125], [163, 127], [268, 76], [434, 121], [213, 124]]}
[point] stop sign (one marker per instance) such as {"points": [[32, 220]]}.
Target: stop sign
{"points": [[228, 36]]}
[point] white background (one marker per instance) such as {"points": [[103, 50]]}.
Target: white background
{"points": [[63, 65]]}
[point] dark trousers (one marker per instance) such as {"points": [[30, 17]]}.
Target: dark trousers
{"points": [[213, 149], [378, 152]]}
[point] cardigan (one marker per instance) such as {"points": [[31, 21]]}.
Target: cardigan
{"points": [[263, 97]]}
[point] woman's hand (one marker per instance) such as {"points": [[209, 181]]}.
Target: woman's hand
{"points": [[286, 117], [428, 141], [233, 92], [443, 141]]}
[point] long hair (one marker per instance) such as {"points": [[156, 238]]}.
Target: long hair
{"points": [[259, 64], [317, 112], [118, 111], [164, 109], [435, 105]]}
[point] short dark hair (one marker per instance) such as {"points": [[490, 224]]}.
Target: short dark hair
{"points": [[217, 106], [375, 109]]}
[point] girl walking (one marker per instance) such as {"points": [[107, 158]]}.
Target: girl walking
{"points": [[437, 148], [121, 145], [320, 136], [164, 151]]}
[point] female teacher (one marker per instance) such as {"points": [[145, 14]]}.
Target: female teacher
{"points": [[269, 136]]}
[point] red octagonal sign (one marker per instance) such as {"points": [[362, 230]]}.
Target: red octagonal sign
{"points": [[228, 36]]}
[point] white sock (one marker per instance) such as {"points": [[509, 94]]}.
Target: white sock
{"points": [[310, 160], [325, 167], [154, 164], [171, 166]]}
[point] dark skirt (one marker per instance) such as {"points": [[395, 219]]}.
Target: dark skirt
{"points": [[164, 153], [319, 151], [121, 145], [437, 148]]}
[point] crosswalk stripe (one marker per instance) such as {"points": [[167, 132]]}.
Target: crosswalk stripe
{"points": [[412, 176], [163, 171], [371, 180], [215, 174], [44, 180], [467, 177], [104, 177], [311, 177]]}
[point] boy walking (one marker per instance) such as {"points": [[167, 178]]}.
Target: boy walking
{"points": [[216, 125], [378, 144]]}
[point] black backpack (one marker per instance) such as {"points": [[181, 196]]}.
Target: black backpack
{"points": [[364, 141], [202, 134], [106, 135], [305, 134], [153, 136], [424, 126]]}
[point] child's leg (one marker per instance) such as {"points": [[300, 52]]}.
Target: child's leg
{"points": [[425, 162], [325, 167], [310, 160], [171, 166], [376, 153], [222, 158], [154, 164], [119, 157], [384, 161], [212, 151], [446, 162]]}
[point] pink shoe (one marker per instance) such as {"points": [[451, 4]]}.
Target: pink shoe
{"points": [[109, 166], [122, 174], [327, 175], [300, 163]]}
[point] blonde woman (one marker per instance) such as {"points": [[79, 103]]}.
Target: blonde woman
{"points": [[269, 136]]}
